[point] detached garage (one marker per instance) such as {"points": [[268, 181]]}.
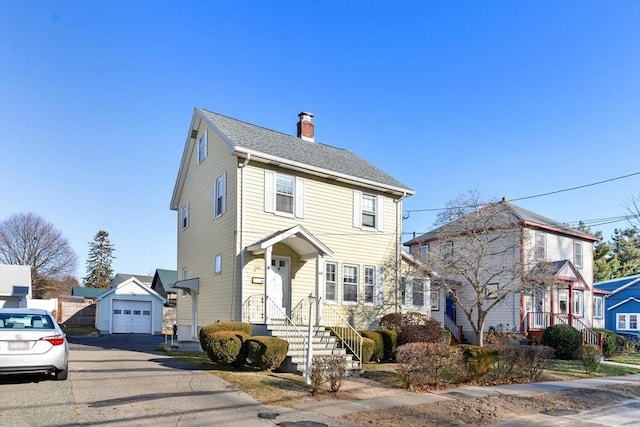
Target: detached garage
{"points": [[131, 307]]}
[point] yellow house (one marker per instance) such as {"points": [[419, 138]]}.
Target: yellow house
{"points": [[276, 228]]}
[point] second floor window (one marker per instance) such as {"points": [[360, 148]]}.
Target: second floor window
{"points": [[184, 217], [541, 250], [368, 211], [220, 196], [202, 147], [283, 194], [577, 254], [218, 264], [424, 252]]}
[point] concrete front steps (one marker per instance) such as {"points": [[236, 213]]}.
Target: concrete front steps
{"points": [[323, 344]]}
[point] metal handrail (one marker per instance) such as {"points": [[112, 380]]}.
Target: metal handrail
{"points": [[344, 331], [253, 309]]}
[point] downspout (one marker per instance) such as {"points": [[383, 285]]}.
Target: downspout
{"points": [[398, 243], [242, 167]]}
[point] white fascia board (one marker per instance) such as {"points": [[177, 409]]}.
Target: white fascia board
{"points": [[623, 302]]}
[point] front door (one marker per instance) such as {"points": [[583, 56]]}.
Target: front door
{"points": [[538, 309], [279, 285]]}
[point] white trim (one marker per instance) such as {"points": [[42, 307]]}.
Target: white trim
{"points": [[624, 302]]}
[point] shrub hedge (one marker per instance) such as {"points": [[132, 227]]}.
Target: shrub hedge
{"points": [[478, 360], [223, 347], [609, 344], [367, 349], [266, 352], [228, 326], [378, 344], [564, 339], [390, 344]]}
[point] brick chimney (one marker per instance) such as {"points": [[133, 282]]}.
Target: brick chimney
{"points": [[305, 127]]}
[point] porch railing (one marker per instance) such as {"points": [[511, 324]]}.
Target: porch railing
{"points": [[346, 333], [453, 328], [542, 320], [253, 309], [589, 336]]}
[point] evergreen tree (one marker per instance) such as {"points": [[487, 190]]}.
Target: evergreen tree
{"points": [[626, 246], [99, 270]]}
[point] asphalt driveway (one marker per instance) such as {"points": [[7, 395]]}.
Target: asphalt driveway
{"points": [[124, 380]]}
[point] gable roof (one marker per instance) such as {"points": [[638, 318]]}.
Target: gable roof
{"points": [[122, 277], [134, 281], [163, 281], [563, 270], [511, 214], [630, 299], [268, 146], [619, 284], [297, 238]]}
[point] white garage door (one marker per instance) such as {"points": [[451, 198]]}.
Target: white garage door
{"points": [[131, 317]]}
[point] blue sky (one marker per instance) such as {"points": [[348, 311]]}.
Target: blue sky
{"points": [[508, 98]]}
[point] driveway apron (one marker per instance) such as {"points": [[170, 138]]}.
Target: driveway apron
{"points": [[114, 386]]}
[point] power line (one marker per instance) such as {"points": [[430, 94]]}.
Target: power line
{"points": [[541, 194]]}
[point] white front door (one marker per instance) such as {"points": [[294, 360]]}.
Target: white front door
{"points": [[279, 285], [538, 309], [131, 317]]}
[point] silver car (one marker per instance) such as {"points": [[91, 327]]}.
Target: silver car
{"points": [[32, 342]]}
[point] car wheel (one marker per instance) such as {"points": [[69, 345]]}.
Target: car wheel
{"points": [[62, 375]]}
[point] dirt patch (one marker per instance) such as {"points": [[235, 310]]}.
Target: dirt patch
{"points": [[493, 409]]}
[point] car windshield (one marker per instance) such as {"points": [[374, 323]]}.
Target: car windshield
{"points": [[25, 321]]}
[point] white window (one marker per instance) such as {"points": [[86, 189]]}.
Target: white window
{"points": [[424, 252], [350, 283], [447, 250], [577, 254], [491, 290], [368, 211], [598, 307], [218, 264], [283, 194], [541, 243], [578, 303], [417, 293], [184, 216], [435, 300], [202, 147], [627, 321], [220, 196], [369, 284], [563, 301], [330, 281]]}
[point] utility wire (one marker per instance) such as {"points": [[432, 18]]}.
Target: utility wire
{"points": [[542, 194]]}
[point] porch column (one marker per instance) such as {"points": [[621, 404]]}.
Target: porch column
{"points": [[319, 287], [267, 277]]}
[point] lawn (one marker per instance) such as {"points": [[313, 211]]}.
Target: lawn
{"points": [[631, 359]]}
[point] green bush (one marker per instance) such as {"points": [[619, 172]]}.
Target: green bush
{"points": [[266, 352], [590, 356], [564, 339], [390, 344], [478, 360], [446, 335], [609, 345], [367, 349], [228, 326], [223, 347], [378, 344]]}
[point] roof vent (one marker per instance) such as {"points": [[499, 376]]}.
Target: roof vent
{"points": [[305, 127]]}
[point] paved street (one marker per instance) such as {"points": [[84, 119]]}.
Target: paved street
{"points": [[112, 382]]}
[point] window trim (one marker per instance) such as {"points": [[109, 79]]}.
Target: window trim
{"points": [[334, 282], [436, 293], [220, 194], [577, 298], [413, 294], [595, 312], [371, 285], [203, 143], [358, 211], [184, 216], [270, 194], [627, 321], [578, 254], [541, 238], [356, 284], [424, 251], [217, 269]]}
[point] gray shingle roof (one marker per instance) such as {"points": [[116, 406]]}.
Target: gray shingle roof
{"points": [[515, 214], [289, 147]]}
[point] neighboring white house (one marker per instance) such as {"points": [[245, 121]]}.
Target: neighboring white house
{"points": [[15, 286], [129, 307]]}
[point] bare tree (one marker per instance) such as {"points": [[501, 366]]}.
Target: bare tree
{"points": [[27, 239], [477, 252], [633, 207]]}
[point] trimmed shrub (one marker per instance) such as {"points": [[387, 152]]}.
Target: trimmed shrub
{"points": [[564, 339], [478, 360], [266, 352], [390, 344], [224, 347], [446, 335], [609, 344], [534, 360], [368, 346], [413, 326], [429, 364], [378, 344], [228, 326], [332, 369], [590, 356]]}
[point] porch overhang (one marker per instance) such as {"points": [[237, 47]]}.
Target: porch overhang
{"points": [[189, 285], [305, 244]]}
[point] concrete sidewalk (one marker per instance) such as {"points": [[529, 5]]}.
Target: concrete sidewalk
{"points": [[371, 396]]}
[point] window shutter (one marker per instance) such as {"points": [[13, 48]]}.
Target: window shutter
{"points": [[269, 196], [224, 193], [357, 209], [299, 198], [380, 213]]}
